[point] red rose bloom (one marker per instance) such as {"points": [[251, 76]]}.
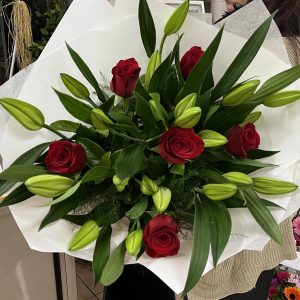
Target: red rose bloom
{"points": [[65, 157], [272, 292], [177, 145], [189, 60], [160, 237], [282, 276], [125, 76], [242, 139]]}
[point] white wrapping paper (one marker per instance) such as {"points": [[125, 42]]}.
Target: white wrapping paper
{"points": [[102, 37]]}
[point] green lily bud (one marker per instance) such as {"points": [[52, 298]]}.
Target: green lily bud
{"points": [[189, 118], [252, 118], [282, 98], [240, 94], [159, 112], [220, 191], [78, 89], [100, 120], [270, 186], [212, 138], [162, 199], [88, 233], [120, 184], [133, 242], [49, 186], [238, 178], [26, 114], [154, 62], [177, 18], [187, 102], [148, 186]]}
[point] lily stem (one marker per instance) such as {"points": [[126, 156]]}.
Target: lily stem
{"points": [[55, 131]]}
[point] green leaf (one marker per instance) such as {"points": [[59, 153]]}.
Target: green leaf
{"points": [[101, 253], [208, 82], [263, 216], [138, 209], [74, 86], [220, 227], [76, 108], [201, 245], [259, 153], [130, 161], [147, 27], [65, 125], [16, 196], [114, 266], [87, 73], [106, 106], [97, 174], [93, 147], [76, 219], [242, 61], [21, 173], [212, 176]]}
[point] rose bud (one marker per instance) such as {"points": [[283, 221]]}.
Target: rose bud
{"points": [[65, 157], [162, 199], [187, 102], [241, 93], [49, 186], [282, 276], [189, 60], [270, 186], [282, 98], [189, 118], [160, 237], [88, 233], [75, 87], [252, 118], [125, 76], [154, 62], [26, 114], [212, 138], [238, 178], [148, 186], [133, 242], [220, 191], [120, 184], [100, 120]]}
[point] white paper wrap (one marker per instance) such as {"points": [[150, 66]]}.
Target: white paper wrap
{"points": [[104, 35]]}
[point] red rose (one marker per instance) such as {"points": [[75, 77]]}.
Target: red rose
{"points": [[242, 139], [282, 276], [177, 145], [272, 292], [189, 60], [160, 237], [125, 76], [65, 157]]}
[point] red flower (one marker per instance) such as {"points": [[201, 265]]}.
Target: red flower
{"points": [[272, 292], [65, 157], [282, 276], [189, 60], [177, 145], [160, 237], [242, 139], [125, 76]]}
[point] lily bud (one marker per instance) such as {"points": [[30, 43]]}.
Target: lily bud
{"points": [[88, 233], [154, 62], [270, 186], [187, 102], [177, 18], [148, 186], [159, 112], [252, 118], [133, 242], [49, 186], [100, 120], [162, 199], [212, 138], [282, 98], [220, 191], [240, 94], [26, 114], [75, 87], [238, 178], [120, 184], [189, 118]]}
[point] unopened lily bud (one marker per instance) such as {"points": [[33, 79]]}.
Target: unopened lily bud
{"points": [[154, 62], [187, 102], [240, 94], [189, 118], [133, 242], [220, 191], [177, 18], [78, 89], [49, 186], [148, 186], [212, 138], [162, 199], [158, 110], [88, 233], [270, 186], [282, 98], [252, 118], [26, 114], [238, 178], [100, 120], [120, 184]]}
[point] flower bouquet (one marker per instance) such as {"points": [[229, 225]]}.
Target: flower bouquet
{"points": [[168, 152], [296, 228]]}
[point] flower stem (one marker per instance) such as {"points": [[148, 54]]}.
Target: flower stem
{"points": [[162, 44], [90, 101], [55, 131]]}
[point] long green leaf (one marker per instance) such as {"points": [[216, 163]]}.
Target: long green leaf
{"points": [[97, 174], [138, 209], [18, 195], [95, 148], [65, 125], [22, 173]]}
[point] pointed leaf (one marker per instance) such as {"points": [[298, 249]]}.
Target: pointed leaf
{"points": [[65, 125], [18, 195], [93, 147], [138, 209], [22, 173]]}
